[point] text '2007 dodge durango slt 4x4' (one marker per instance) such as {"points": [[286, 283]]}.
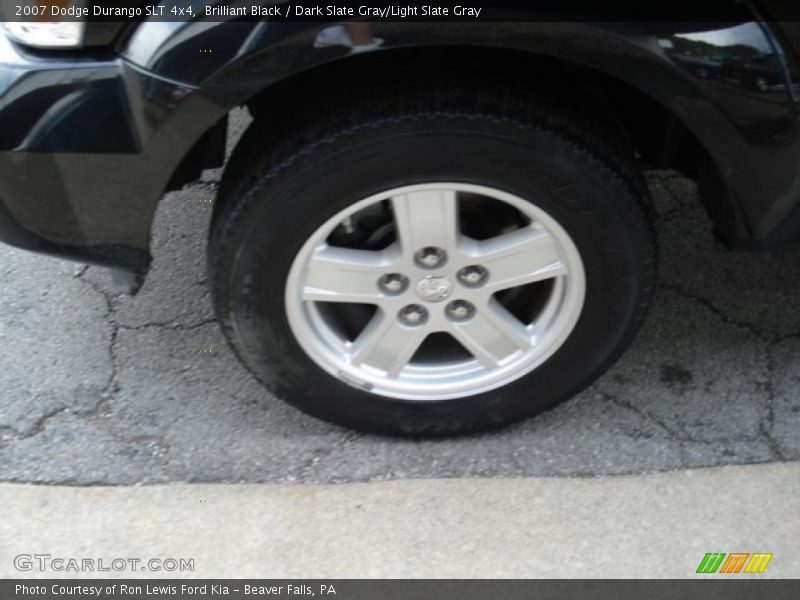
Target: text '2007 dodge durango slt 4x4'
{"points": [[429, 227]]}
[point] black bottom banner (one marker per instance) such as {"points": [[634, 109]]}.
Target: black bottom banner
{"points": [[388, 589]]}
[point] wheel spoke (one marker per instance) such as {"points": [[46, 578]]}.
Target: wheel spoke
{"points": [[345, 275], [518, 258], [493, 335], [426, 219], [386, 345]]}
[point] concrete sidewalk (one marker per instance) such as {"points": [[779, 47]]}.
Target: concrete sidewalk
{"points": [[657, 525]]}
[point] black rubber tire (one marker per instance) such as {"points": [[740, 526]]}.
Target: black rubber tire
{"points": [[576, 170]]}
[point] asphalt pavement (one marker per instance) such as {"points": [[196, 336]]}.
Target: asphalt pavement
{"points": [[97, 388]]}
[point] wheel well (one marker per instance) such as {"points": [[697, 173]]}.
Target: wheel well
{"points": [[658, 138]]}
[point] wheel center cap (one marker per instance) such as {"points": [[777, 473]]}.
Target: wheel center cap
{"points": [[434, 288]]}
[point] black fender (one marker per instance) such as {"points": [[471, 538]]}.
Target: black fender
{"points": [[172, 84], [751, 137]]}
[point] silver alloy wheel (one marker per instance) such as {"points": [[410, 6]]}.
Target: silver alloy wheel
{"points": [[455, 287]]}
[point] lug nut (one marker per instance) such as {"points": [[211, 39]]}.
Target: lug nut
{"points": [[431, 257], [473, 275], [413, 315], [460, 310], [393, 283]]}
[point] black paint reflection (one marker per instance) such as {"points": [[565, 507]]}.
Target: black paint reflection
{"points": [[743, 56]]}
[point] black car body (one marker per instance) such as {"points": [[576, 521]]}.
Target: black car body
{"points": [[91, 138]]}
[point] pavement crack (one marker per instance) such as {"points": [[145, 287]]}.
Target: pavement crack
{"points": [[714, 309], [680, 207], [172, 324], [768, 420], [785, 337], [671, 433], [112, 386], [9, 434], [769, 340]]}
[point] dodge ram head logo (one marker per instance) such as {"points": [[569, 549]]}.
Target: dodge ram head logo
{"points": [[434, 288]]}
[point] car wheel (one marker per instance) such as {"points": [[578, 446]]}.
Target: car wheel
{"points": [[421, 269]]}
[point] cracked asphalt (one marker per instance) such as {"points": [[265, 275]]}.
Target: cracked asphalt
{"points": [[97, 388]]}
